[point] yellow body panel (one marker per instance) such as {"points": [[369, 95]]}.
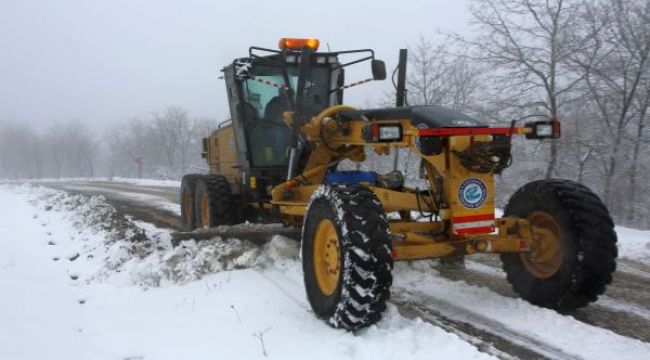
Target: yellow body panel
{"points": [[457, 174], [222, 155]]}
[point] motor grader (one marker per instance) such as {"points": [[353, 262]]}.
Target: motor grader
{"points": [[279, 157]]}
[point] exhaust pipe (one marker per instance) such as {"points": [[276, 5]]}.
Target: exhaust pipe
{"points": [[401, 79]]}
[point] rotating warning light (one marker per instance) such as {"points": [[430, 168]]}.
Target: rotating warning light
{"points": [[297, 44]]}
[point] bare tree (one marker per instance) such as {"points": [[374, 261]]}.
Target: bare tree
{"points": [[424, 82], [68, 149], [438, 78], [530, 43], [640, 138], [616, 69], [165, 145], [167, 132]]}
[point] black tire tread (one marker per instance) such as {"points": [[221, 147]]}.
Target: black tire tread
{"points": [[224, 209], [188, 182], [591, 258], [366, 249]]}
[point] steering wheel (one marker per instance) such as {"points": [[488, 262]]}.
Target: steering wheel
{"points": [[330, 111]]}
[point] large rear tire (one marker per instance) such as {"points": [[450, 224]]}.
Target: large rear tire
{"points": [[214, 203], [572, 264], [188, 189], [346, 256]]}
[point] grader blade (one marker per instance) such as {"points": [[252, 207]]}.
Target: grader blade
{"points": [[258, 234]]}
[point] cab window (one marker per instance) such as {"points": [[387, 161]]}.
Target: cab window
{"points": [[264, 105]]}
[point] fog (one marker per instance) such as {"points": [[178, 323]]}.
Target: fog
{"points": [[105, 61]]}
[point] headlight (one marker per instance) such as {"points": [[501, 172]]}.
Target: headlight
{"points": [[389, 133], [378, 132], [543, 130]]}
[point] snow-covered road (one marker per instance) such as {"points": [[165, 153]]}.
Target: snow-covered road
{"points": [[75, 288]]}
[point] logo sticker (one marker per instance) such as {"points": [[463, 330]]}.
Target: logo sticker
{"points": [[472, 193]]}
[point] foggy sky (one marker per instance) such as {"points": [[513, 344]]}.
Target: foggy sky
{"points": [[106, 61]]}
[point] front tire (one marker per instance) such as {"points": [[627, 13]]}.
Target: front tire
{"points": [[572, 264], [346, 256]]}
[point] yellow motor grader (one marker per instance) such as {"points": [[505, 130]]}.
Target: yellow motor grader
{"points": [[279, 155]]}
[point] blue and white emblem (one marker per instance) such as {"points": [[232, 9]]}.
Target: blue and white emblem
{"points": [[472, 193]]}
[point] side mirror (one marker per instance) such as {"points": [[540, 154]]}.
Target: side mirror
{"points": [[378, 69], [242, 70]]}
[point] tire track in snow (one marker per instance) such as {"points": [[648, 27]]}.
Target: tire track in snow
{"points": [[633, 268], [483, 333], [479, 311], [624, 308]]}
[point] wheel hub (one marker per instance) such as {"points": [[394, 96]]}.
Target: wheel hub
{"points": [[187, 209], [327, 257], [205, 211], [547, 247]]}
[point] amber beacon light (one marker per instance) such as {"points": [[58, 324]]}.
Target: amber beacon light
{"points": [[297, 44]]}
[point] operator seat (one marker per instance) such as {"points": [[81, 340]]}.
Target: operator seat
{"points": [[249, 114], [275, 138], [275, 109]]}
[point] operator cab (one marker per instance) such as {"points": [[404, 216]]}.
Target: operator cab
{"points": [[259, 96], [266, 84]]}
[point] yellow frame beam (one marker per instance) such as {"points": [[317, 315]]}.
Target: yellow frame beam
{"points": [[335, 141]]}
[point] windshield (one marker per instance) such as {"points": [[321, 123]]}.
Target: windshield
{"points": [[259, 95], [265, 104]]}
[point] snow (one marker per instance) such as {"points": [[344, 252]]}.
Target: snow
{"points": [[634, 244], [483, 307], [603, 300], [117, 179], [623, 306], [147, 182], [118, 290]]}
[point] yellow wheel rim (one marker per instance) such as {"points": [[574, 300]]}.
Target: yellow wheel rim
{"points": [[327, 257], [547, 248], [187, 208], [205, 211]]}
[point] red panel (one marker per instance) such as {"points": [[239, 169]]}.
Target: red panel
{"points": [[473, 218], [462, 219], [481, 230], [469, 131]]}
